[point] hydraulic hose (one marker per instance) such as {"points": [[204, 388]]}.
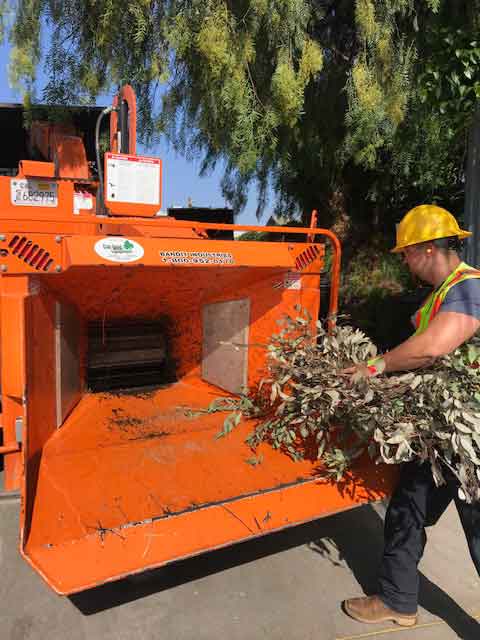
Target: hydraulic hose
{"points": [[100, 200]]}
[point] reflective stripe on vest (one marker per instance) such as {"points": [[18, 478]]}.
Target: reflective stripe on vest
{"points": [[434, 301]]}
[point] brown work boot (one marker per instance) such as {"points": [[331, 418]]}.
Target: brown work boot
{"points": [[371, 609]]}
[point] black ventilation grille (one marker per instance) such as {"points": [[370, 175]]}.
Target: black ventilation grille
{"points": [[306, 258], [30, 253]]}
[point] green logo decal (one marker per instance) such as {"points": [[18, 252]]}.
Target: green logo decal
{"points": [[127, 245]]}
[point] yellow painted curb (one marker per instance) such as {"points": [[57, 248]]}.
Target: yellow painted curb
{"points": [[380, 632]]}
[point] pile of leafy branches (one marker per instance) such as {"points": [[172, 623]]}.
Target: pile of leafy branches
{"points": [[306, 407]]}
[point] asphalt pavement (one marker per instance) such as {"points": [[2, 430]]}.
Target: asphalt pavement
{"points": [[286, 586]]}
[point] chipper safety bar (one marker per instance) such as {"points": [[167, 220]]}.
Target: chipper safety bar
{"points": [[113, 331]]}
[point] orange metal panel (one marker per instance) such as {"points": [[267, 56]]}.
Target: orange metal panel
{"points": [[128, 94], [45, 135], [15, 292], [86, 251], [22, 217], [30, 253], [41, 397], [36, 169], [130, 483], [117, 553], [71, 157], [112, 294], [117, 228], [1, 295], [119, 208]]}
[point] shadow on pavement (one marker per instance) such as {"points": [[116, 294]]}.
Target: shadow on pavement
{"points": [[362, 554], [435, 600], [332, 539], [183, 571]]}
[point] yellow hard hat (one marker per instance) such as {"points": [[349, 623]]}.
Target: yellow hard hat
{"points": [[427, 222]]}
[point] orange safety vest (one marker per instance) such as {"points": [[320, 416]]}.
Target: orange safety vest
{"points": [[432, 305]]}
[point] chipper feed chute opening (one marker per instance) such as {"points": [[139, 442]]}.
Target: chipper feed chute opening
{"points": [[123, 471]]}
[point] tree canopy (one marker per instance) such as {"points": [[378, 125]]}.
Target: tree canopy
{"points": [[359, 106]]}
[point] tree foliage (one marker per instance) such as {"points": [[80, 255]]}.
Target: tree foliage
{"points": [[338, 104], [423, 153]]}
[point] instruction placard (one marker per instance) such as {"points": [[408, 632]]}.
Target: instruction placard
{"points": [[132, 179]]}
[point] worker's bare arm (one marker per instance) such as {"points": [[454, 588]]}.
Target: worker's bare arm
{"points": [[445, 333]]}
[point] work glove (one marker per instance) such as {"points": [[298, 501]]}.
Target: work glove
{"points": [[360, 371]]}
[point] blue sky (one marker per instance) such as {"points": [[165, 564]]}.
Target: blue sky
{"points": [[181, 179]]}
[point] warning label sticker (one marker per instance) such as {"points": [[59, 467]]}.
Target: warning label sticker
{"points": [[119, 249], [197, 257]]}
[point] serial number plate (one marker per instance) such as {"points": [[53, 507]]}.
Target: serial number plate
{"points": [[33, 193]]}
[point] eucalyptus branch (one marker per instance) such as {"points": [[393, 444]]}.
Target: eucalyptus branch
{"points": [[432, 415]]}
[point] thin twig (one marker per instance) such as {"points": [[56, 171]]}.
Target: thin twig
{"points": [[237, 517], [253, 86]]}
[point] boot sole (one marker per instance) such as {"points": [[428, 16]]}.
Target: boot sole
{"points": [[400, 620]]}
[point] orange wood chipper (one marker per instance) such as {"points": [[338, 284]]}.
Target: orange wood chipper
{"points": [[115, 321]]}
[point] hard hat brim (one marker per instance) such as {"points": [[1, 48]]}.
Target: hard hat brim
{"points": [[461, 236]]}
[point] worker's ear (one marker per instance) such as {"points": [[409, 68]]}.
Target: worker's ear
{"points": [[429, 248]]}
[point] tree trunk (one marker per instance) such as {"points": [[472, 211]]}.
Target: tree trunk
{"points": [[472, 194]]}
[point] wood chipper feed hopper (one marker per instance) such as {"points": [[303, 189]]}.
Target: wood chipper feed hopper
{"points": [[113, 330]]}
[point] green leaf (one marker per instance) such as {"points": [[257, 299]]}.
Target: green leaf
{"points": [[473, 353]]}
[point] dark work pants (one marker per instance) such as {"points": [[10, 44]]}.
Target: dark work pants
{"points": [[418, 503]]}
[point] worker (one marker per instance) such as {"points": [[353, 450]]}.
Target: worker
{"points": [[428, 237]]}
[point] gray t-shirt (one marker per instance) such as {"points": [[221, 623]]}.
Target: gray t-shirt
{"points": [[464, 297]]}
